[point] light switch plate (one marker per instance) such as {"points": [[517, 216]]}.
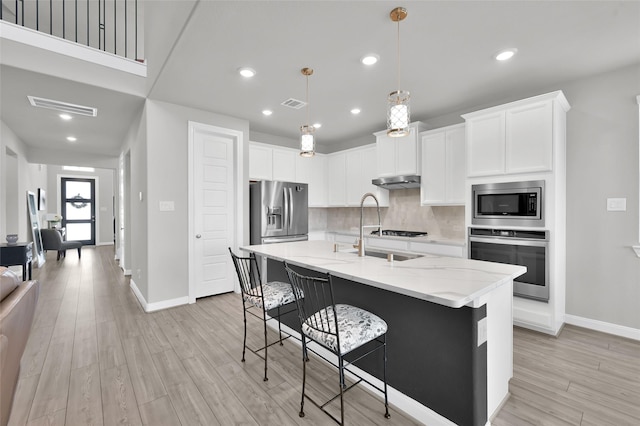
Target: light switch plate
{"points": [[616, 204], [167, 206]]}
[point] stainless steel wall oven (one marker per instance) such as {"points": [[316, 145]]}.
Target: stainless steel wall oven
{"points": [[516, 247], [508, 204]]}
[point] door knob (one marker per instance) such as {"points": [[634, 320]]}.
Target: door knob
{"points": [[198, 236]]}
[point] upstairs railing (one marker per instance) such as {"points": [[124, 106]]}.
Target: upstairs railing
{"points": [[108, 25]]}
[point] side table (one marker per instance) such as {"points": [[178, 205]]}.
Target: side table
{"points": [[17, 254]]}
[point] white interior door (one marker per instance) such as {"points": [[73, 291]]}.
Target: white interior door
{"points": [[214, 211]]}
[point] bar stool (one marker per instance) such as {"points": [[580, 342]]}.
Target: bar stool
{"points": [[264, 297], [339, 328]]}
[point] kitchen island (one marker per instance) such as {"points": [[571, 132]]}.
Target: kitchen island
{"points": [[450, 337]]}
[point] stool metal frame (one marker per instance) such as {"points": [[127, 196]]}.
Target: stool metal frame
{"points": [[253, 298], [321, 321]]}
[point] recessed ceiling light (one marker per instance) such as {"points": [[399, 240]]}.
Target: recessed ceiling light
{"points": [[247, 72], [317, 125], [506, 54], [370, 59], [267, 112], [355, 111], [71, 138], [65, 117]]}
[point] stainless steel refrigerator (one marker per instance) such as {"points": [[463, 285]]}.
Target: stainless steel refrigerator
{"points": [[279, 212]]}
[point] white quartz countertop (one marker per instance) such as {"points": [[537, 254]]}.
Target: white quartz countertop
{"points": [[448, 281]]}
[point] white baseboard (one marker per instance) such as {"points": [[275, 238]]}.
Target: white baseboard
{"points": [[605, 327], [406, 404], [110, 243], [126, 272], [156, 306]]}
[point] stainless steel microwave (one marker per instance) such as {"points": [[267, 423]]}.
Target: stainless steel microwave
{"points": [[508, 204]]}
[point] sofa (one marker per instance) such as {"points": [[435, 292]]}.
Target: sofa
{"points": [[52, 240], [18, 301]]}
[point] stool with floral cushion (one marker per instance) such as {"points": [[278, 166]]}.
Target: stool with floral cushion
{"points": [[263, 297], [339, 328]]}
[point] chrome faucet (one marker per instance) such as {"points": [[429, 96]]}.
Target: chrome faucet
{"points": [[360, 242]]}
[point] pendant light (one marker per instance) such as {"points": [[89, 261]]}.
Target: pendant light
{"points": [[398, 111], [307, 140]]}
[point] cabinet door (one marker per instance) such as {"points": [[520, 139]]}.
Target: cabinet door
{"points": [[311, 170], [433, 184], [486, 145], [455, 168], [407, 154], [336, 176], [354, 177], [368, 157], [260, 162], [284, 165], [386, 154], [529, 138]]}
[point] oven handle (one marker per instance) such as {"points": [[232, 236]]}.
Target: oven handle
{"points": [[510, 241]]}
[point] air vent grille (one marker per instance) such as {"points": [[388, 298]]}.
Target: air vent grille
{"points": [[63, 106], [293, 103]]}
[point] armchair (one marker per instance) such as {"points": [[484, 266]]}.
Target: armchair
{"points": [[52, 240]]}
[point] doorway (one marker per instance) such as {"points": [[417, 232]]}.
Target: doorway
{"points": [[78, 205], [213, 213]]}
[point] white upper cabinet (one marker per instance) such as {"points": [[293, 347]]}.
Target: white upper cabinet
{"points": [[268, 162], [443, 166], [361, 170], [260, 162], [399, 156], [513, 138], [336, 179], [311, 170], [284, 164], [486, 145], [529, 132]]}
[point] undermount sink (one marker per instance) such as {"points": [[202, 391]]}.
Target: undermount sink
{"points": [[391, 255]]}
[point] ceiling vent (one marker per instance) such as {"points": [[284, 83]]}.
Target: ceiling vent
{"points": [[63, 106], [294, 103]]}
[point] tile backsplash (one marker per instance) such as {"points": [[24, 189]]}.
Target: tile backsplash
{"points": [[404, 213]]}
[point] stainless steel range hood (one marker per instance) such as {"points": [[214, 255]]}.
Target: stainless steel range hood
{"points": [[398, 182]]}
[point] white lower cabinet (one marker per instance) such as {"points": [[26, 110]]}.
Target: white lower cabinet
{"points": [[438, 249], [443, 166]]}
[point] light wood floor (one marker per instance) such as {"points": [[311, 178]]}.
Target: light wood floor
{"points": [[95, 358]]}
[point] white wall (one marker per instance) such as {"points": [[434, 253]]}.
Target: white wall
{"points": [[159, 169], [22, 177], [603, 273]]}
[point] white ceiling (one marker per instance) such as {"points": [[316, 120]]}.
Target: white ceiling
{"points": [[446, 63]]}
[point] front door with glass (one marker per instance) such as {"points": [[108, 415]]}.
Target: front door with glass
{"points": [[79, 209]]}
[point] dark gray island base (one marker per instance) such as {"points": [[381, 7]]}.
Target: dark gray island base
{"points": [[433, 356]]}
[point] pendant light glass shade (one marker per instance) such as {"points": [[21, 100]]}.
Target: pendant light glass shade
{"points": [[398, 109], [398, 114], [307, 140]]}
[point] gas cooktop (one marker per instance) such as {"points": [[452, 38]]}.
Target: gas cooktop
{"points": [[397, 233]]}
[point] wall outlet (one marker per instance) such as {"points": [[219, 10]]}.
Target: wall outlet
{"points": [[482, 331], [616, 204]]}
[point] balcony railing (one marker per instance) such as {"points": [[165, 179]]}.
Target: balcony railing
{"points": [[108, 25]]}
